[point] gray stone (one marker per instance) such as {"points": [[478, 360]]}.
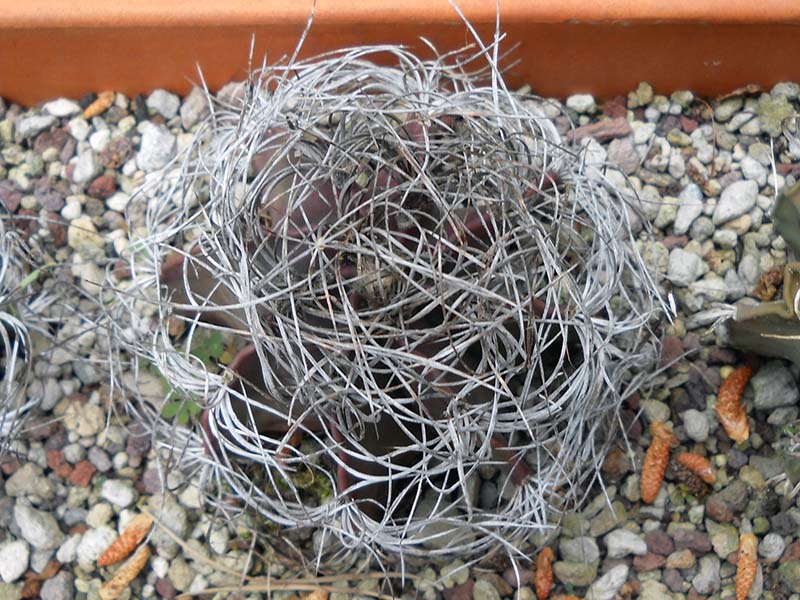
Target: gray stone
{"points": [[577, 574], [194, 108], [170, 514], [683, 267], [9, 591], [163, 103], [39, 528], [696, 425], [727, 108], [607, 519], [773, 113], [774, 386], [622, 542], [691, 207], [29, 480], [158, 147], [13, 560], [580, 549], [772, 547], [789, 573], [783, 416], [736, 199], [752, 169], [582, 103], [724, 538], [607, 586], [62, 107], [180, 574], [768, 466], [623, 154], [654, 590], [119, 492], [484, 590], [28, 127], [701, 229], [707, 581], [93, 543], [86, 167], [59, 587]]}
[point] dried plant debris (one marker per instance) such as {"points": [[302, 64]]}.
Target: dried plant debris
{"points": [[731, 412], [21, 328], [408, 276], [656, 460]]}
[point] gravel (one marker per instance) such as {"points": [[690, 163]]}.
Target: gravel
{"points": [[708, 191]]}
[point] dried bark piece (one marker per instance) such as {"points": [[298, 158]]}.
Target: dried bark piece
{"points": [[544, 573], [99, 106], [656, 460], [112, 589], [732, 415], [698, 465], [602, 131], [747, 565], [127, 541], [696, 486]]}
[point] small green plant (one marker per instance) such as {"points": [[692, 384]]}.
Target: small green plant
{"points": [[208, 347]]}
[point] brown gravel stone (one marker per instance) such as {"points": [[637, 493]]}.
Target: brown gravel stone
{"points": [[115, 153], [718, 510], [526, 577], [55, 138], [671, 349], [602, 131], [791, 553], [102, 187], [659, 542], [9, 198], [675, 241], [82, 474], [57, 228], [687, 124], [165, 588], [692, 539], [459, 592], [648, 562]]}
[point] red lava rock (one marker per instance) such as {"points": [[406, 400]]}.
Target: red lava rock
{"points": [[115, 153], [687, 124], [648, 562], [788, 168], [82, 474], [616, 464], [526, 577], [102, 187], [602, 131], [615, 107], [78, 529], [165, 588], [459, 592], [671, 350], [694, 540], [659, 542]]}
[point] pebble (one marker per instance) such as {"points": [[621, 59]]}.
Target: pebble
{"points": [[577, 574], [86, 167], [58, 587], [93, 543], [180, 574], [607, 586], [789, 573], [771, 547], [708, 580], [683, 267], [582, 103], [774, 386], [484, 590], [654, 410], [737, 199], [84, 419], [39, 528], [691, 207], [724, 538], [158, 147], [29, 480], [194, 108], [622, 542], [68, 551], [163, 103], [82, 237], [696, 425], [170, 513], [13, 560], [62, 107], [29, 127], [580, 549], [119, 492], [654, 590]]}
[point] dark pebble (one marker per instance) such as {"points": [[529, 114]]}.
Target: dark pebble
{"points": [[459, 592], [165, 588], [783, 524], [87, 100], [688, 125], [659, 542], [115, 153], [9, 197], [140, 108], [736, 458], [58, 229], [718, 510], [694, 540], [673, 580], [648, 562], [526, 577], [671, 350], [721, 356], [54, 138]]}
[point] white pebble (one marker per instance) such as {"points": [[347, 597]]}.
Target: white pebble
{"points": [[13, 560]]}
